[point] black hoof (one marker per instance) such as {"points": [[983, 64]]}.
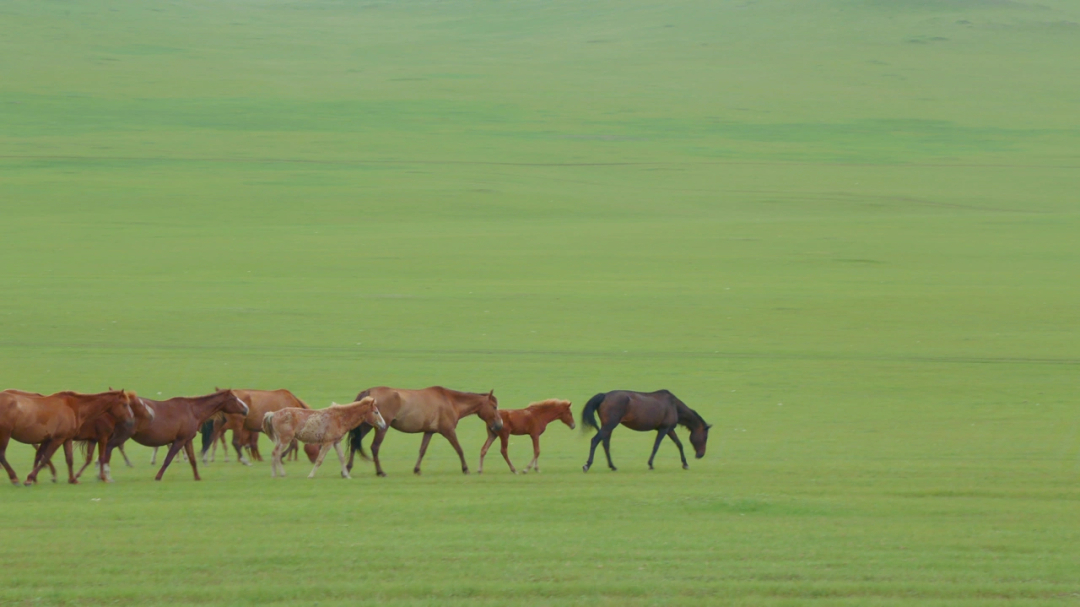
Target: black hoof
{"points": [[382, 474], [585, 468]]}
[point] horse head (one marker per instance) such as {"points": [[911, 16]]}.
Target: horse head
{"points": [[566, 416], [374, 417], [234, 405], [698, 437], [121, 407], [142, 410], [489, 411]]}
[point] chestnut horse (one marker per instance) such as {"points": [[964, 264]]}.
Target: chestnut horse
{"points": [[54, 420], [177, 421], [323, 427], [105, 429], [532, 420], [643, 411], [430, 410]]}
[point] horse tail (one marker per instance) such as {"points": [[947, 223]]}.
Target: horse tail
{"points": [[207, 432], [588, 414], [268, 426]]}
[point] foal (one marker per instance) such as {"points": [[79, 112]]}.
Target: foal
{"points": [[532, 420], [325, 427]]}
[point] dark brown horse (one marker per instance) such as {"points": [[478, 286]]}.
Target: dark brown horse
{"points": [[643, 411], [532, 420], [51, 421], [430, 410], [177, 421]]}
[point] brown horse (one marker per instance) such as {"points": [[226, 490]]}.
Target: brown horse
{"points": [[532, 420], [323, 427], [105, 429], [54, 420], [177, 421], [643, 411], [430, 410]]}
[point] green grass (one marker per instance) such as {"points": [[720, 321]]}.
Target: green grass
{"points": [[843, 231]]}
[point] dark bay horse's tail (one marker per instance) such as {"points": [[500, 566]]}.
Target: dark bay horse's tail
{"points": [[207, 432], [356, 435], [588, 414]]}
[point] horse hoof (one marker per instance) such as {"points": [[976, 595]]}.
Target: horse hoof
{"points": [[73, 481], [614, 469], [686, 466], [584, 468], [416, 471]]}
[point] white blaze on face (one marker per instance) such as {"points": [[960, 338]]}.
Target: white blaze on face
{"points": [[247, 409]]}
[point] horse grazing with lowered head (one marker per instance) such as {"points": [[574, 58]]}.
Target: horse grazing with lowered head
{"points": [[323, 427], [177, 420], [52, 421], [643, 411], [532, 420], [430, 410]]}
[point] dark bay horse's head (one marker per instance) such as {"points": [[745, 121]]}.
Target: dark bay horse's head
{"points": [[566, 416], [234, 405], [489, 411], [698, 437]]}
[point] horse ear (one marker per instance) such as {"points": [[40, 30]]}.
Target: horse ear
{"points": [[491, 393], [708, 426]]}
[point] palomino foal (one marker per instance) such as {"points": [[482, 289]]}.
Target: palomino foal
{"points": [[325, 427], [532, 420]]}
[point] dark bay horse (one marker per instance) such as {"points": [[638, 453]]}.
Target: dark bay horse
{"points": [[52, 421], [177, 420], [643, 411], [430, 410], [532, 420]]}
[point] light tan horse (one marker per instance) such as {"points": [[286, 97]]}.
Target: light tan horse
{"points": [[54, 420], [532, 420], [430, 410], [324, 427]]}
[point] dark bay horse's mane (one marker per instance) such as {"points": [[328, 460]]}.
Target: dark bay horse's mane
{"points": [[688, 418]]}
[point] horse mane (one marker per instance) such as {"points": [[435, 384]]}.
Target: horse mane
{"points": [[688, 416], [550, 403]]}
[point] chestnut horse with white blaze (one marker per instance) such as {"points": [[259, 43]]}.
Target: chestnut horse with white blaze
{"points": [[104, 430], [177, 420], [323, 427], [51, 421], [532, 421], [643, 411], [430, 410]]}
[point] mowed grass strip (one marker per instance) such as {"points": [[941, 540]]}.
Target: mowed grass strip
{"points": [[841, 232]]}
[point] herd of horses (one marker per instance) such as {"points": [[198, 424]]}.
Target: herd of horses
{"points": [[106, 421]]}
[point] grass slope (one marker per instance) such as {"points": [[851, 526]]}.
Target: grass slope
{"points": [[841, 230]]}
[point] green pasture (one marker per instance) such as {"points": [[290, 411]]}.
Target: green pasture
{"points": [[844, 231]]}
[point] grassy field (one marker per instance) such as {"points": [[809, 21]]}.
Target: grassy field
{"points": [[840, 230]]}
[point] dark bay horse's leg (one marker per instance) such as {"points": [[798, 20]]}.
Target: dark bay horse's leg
{"points": [[504, 442], [671, 434], [375, 444], [4, 439], [423, 449], [189, 448], [602, 435], [535, 463], [174, 448], [484, 450], [108, 453], [364, 429], [660, 434]]}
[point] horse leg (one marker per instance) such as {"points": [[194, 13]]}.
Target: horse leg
{"points": [[452, 437], [678, 443], [375, 444], [323, 449], [341, 458], [364, 429], [253, 447], [4, 439], [44, 454], [239, 446], [126, 460], [607, 445], [174, 448], [37, 457], [89, 460], [69, 459], [603, 434], [423, 449], [153, 458], [660, 434], [535, 465], [504, 441], [105, 457], [484, 450], [189, 448]]}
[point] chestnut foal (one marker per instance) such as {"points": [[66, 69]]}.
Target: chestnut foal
{"points": [[532, 420]]}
